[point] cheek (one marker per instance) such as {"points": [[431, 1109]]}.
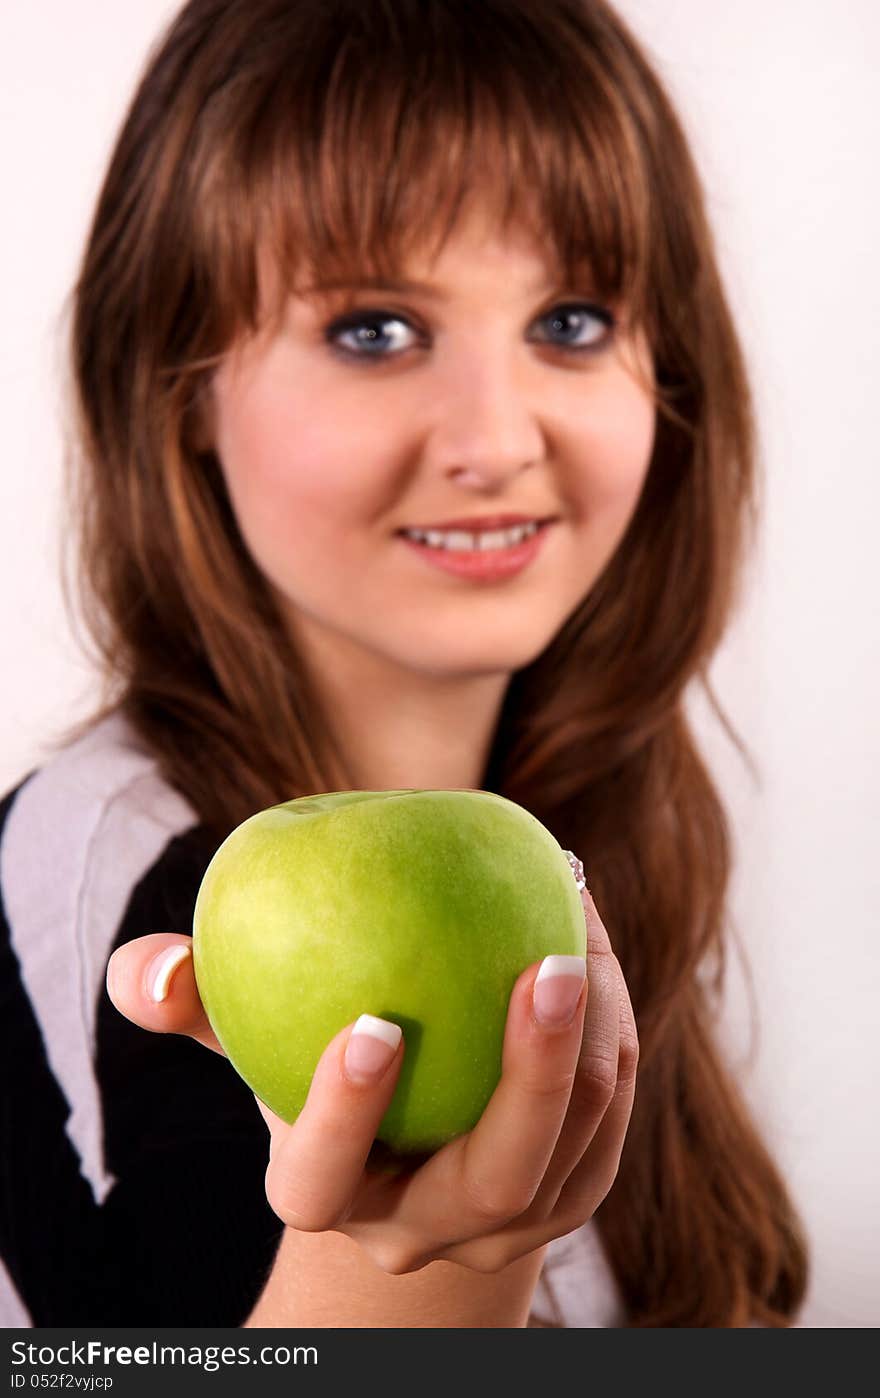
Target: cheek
{"points": [[618, 449], [290, 482]]}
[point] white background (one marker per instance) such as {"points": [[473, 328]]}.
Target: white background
{"points": [[780, 101]]}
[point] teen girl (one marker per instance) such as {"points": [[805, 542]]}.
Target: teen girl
{"points": [[358, 270]]}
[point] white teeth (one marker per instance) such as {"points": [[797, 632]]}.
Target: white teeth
{"points": [[496, 540], [456, 540], [460, 541]]}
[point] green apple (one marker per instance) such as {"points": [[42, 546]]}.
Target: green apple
{"points": [[422, 907]]}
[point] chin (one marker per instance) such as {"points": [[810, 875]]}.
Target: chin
{"points": [[482, 655]]}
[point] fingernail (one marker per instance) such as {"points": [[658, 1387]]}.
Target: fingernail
{"points": [[557, 989], [162, 968], [371, 1046], [108, 978]]}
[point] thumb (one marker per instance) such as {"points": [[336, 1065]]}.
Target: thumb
{"points": [[151, 981]]}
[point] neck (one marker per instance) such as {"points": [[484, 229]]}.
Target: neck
{"points": [[396, 728]]}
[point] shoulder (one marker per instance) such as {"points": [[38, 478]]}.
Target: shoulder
{"points": [[77, 835], [102, 793]]}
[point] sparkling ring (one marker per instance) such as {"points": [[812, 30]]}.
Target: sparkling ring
{"points": [[577, 868]]}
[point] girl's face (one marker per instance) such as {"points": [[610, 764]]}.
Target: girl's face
{"points": [[480, 391]]}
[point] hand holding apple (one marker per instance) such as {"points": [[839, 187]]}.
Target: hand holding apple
{"points": [[419, 908], [537, 1164]]}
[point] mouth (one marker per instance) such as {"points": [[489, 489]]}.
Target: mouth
{"points": [[487, 533], [486, 554]]}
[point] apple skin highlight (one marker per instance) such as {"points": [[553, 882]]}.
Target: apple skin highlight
{"points": [[420, 907]]}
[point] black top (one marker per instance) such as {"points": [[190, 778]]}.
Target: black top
{"points": [[133, 1164]]}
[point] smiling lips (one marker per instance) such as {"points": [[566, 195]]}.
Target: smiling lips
{"points": [[486, 555]]}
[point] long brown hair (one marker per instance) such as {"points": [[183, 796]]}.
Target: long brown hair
{"points": [[323, 130]]}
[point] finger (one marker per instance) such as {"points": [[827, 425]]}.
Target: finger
{"points": [[592, 1090], [587, 1156], [277, 1126], [151, 981], [597, 1069], [568, 1197], [592, 1178], [317, 1163], [482, 1179]]}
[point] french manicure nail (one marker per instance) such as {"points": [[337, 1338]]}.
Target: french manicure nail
{"points": [[162, 968], [557, 989], [371, 1046]]}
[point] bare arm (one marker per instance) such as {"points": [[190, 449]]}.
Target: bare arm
{"points": [[326, 1279]]}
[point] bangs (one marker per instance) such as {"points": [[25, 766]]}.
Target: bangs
{"points": [[355, 149]]}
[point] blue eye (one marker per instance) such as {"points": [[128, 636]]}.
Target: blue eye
{"points": [[590, 324], [365, 331], [585, 328]]}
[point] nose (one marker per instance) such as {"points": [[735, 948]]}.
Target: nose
{"points": [[486, 427]]}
